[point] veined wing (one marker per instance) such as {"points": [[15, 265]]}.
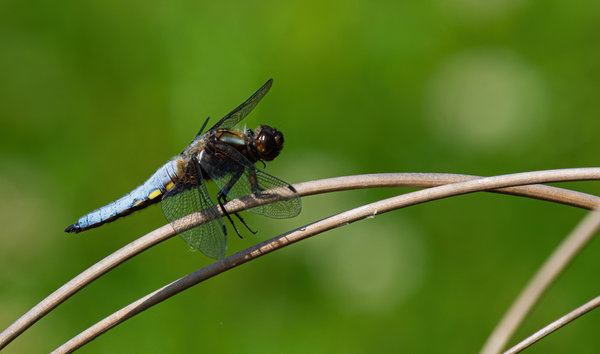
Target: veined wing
{"points": [[237, 177], [235, 116], [187, 198]]}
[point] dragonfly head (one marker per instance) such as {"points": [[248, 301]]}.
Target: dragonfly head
{"points": [[268, 142]]}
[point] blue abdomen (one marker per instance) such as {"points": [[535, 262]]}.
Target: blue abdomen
{"points": [[148, 193]]}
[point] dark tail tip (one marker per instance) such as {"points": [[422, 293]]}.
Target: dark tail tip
{"points": [[72, 229]]}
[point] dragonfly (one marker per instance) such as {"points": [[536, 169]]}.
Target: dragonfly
{"points": [[225, 155]]}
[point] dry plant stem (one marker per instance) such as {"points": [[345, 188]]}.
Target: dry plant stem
{"points": [[558, 195], [319, 227], [553, 266], [426, 180], [415, 180], [564, 320]]}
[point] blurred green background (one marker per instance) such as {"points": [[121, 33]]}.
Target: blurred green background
{"points": [[95, 95]]}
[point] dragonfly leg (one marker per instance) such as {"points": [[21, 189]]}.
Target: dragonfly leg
{"points": [[253, 181], [222, 198], [244, 223], [217, 149]]}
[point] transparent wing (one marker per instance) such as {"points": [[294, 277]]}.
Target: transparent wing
{"points": [[184, 199], [289, 207], [237, 177], [235, 116]]}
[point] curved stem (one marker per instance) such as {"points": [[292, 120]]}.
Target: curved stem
{"points": [[319, 227], [543, 278], [559, 323]]}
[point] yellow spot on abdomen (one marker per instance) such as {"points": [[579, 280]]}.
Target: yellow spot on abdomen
{"points": [[155, 194], [137, 202], [170, 186]]}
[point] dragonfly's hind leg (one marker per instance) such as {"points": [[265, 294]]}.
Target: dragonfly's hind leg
{"points": [[222, 198]]}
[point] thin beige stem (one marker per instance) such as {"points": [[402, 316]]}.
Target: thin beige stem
{"points": [[329, 223], [559, 323], [543, 278]]}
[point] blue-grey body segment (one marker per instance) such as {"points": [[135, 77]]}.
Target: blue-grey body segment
{"points": [[128, 203]]}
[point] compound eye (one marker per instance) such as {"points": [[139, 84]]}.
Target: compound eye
{"points": [[265, 143], [269, 143]]}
